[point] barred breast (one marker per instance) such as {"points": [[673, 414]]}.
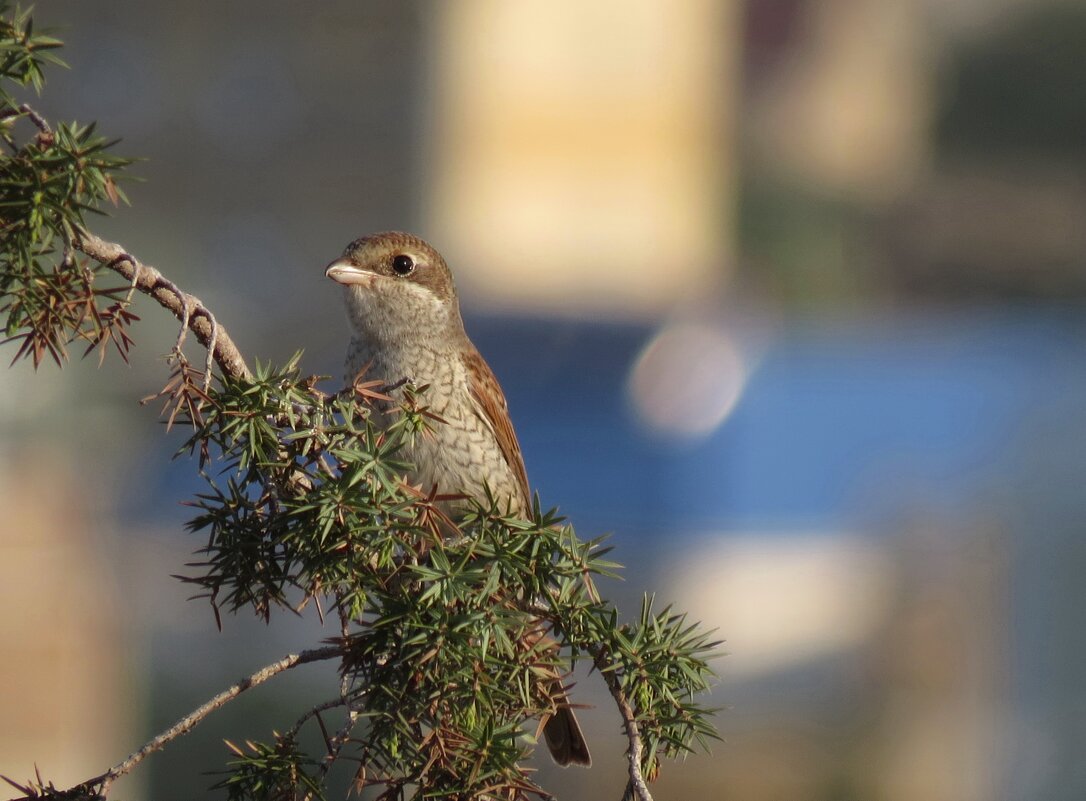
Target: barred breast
{"points": [[459, 455]]}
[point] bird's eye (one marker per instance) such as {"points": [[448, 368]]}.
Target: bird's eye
{"points": [[403, 265]]}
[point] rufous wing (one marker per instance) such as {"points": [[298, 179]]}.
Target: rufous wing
{"points": [[490, 404]]}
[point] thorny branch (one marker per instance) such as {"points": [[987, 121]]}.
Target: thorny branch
{"points": [[37, 119], [335, 743], [187, 723], [312, 713], [187, 308], [636, 788]]}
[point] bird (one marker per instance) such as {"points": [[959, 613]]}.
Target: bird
{"points": [[404, 314]]}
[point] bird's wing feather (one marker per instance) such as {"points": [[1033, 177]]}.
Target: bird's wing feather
{"points": [[490, 405]]}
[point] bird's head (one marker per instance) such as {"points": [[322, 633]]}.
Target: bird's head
{"points": [[395, 280]]}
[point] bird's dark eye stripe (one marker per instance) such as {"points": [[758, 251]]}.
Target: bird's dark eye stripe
{"points": [[403, 265]]}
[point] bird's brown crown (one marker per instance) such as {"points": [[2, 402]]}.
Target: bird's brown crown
{"points": [[404, 257]]}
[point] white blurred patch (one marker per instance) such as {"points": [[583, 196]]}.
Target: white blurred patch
{"points": [[781, 601], [687, 380]]}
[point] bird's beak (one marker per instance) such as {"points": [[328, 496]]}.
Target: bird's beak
{"points": [[343, 272]]}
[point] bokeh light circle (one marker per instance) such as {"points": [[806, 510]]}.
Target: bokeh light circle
{"points": [[687, 380]]}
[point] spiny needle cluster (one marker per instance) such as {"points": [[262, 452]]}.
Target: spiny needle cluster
{"points": [[50, 179]]}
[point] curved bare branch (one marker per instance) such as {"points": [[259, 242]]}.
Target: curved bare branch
{"points": [[189, 722], [185, 307]]}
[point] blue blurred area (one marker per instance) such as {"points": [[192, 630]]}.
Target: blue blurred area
{"points": [[837, 418]]}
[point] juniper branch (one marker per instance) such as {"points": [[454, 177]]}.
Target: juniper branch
{"points": [[36, 118], [637, 785], [189, 722], [309, 714], [184, 306]]}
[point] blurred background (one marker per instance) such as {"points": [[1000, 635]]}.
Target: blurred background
{"points": [[788, 295]]}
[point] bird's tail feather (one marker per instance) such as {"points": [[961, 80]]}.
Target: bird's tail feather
{"points": [[565, 740]]}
